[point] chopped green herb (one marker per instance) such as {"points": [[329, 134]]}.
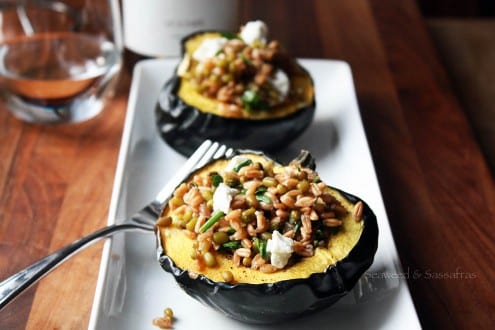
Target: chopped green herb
{"points": [[260, 195], [253, 101], [232, 245], [256, 244], [241, 165], [263, 252], [263, 198], [260, 245], [316, 179], [230, 36], [261, 190], [297, 227], [211, 221], [216, 179]]}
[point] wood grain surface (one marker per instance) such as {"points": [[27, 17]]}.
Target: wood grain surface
{"points": [[55, 181]]}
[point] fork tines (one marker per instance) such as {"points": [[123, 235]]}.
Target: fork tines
{"points": [[215, 151]]}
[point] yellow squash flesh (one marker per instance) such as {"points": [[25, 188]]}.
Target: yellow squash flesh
{"points": [[179, 247]]}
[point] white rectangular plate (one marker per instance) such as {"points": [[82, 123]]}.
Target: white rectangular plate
{"points": [[132, 289]]}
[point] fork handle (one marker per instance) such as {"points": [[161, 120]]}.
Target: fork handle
{"points": [[11, 287]]}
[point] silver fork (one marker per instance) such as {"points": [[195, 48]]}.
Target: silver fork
{"points": [[143, 220]]}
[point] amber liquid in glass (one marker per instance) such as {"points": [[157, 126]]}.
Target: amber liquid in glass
{"points": [[54, 69]]}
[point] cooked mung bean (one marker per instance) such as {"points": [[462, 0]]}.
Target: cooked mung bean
{"points": [[220, 237], [228, 276], [168, 312], [210, 259]]}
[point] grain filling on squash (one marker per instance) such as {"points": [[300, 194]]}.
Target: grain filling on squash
{"points": [[249, 220]]}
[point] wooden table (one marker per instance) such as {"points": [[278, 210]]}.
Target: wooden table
{"points": [[55, 181]]}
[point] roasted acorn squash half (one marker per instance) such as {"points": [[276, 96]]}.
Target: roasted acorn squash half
{"points": [[242, 106], [244, 291]]}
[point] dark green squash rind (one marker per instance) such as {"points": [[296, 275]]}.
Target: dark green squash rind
{"points": [[185, 127], [284, 300]]}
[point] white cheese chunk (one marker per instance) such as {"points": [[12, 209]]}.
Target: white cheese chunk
{"points": [[280, 249], [234, 162], [222, 197], [254, 31], [208, 48], [281, 83]]}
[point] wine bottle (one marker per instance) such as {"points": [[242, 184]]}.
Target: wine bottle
{"points": [[154, 28]]}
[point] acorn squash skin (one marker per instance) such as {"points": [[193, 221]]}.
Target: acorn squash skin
{"points": [[184, 127], [281, 301]]}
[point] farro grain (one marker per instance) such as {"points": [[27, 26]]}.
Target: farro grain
{"points": [[291, 183], [290, 233], [243, 252], [200, 222], [358, 211], [328, 214], [236, 259], [331, 222], [164, 221], [339, 209], [304, 250], [181, 190], [281, 213], [239, 202], [288, 201], [305, 201], [327, 198], [268, 268], [313, 216], [257, 261], [164, 322], [262, 224], [247, 243], [315, 190]]}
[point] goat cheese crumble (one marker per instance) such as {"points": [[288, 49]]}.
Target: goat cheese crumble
{"points": [[280, 249], [209, 48], [281, 83], [222, 197], [254, 31], [236, 161]]}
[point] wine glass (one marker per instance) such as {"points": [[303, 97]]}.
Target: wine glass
{"points": [[59, 60]]}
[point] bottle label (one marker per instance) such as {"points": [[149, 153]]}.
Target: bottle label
{"points": [[155, 27]]}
